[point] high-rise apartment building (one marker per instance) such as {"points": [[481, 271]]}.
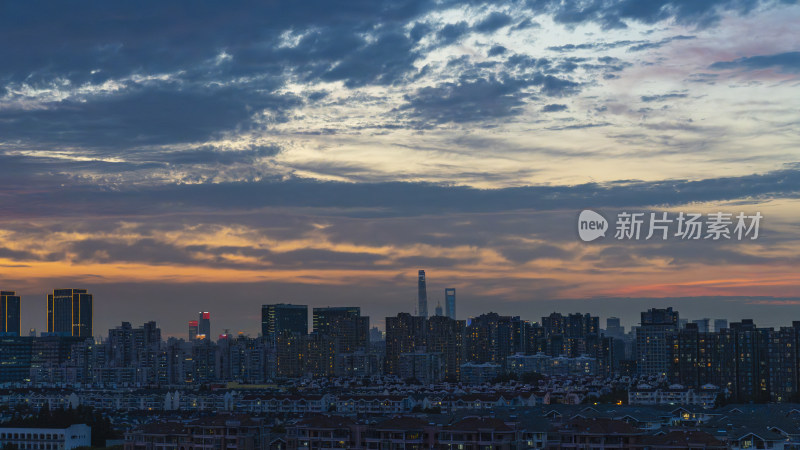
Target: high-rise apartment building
{"points": [[571, 335], [445, 336], [404, 334], [653, 340], [491, 338], [439, 335], [10, 305], [422, 295], [69, 312], [345, 324], [282, 318], [450, 302]]}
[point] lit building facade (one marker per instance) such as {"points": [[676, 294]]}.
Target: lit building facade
{"points": [[10, 307], [70, 313]]}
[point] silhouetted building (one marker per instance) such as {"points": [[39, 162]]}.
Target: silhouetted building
{"points": [[614, 328], [445, 337], [69, 312], [320, 360], [15, 358], [345, 324], [685, 355], [450, 302], [491, 338], [193, 329], [424, 367], [10, 312], [282, 317], [204, 361], [404, 334], [422, 295], [653, 340], [130, 346], [572, 335], [204, 325], [375, 335], [291, 350]]}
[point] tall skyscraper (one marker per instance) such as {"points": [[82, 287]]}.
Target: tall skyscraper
{"points": [[422, 295], [281, 317], [446, 336], [404, 334], [450, 302], [69, 312], [720, 324], [10, 313], [345, 324], [491, 338], [193, 327], [653, 340], [438, 310], [204, 325]]}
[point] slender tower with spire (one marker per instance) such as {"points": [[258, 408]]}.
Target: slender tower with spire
{"points": [[422, 296]]}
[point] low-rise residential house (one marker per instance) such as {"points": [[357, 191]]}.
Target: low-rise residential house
{"points": [[46, 438]]}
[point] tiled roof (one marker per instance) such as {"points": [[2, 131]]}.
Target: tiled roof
{"points": [[326, 421], [402, 423], [677, 439], [480, 423], [602, 426]]}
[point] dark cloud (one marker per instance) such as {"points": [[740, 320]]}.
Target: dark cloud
{"points": [[420, 30], [579, 126], [554, 108], [185, 83], [788, 62], [146, 250], [452, 32], [316, 258], [658, 44], [521, 253], [432, 261], [592, 46], [556, 87], [483, 99], [614, 14], [525, 24], [214, 155], [390, 198], [140, 117], [383, 61], [663, 97], [143, 36], [496, 50], [493, 22]]}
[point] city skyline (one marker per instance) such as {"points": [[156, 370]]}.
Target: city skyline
{"points": [[323, 154], [628, 318], [313, 224]]}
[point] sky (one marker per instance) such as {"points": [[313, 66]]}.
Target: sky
{"points": [[173, 157]]}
